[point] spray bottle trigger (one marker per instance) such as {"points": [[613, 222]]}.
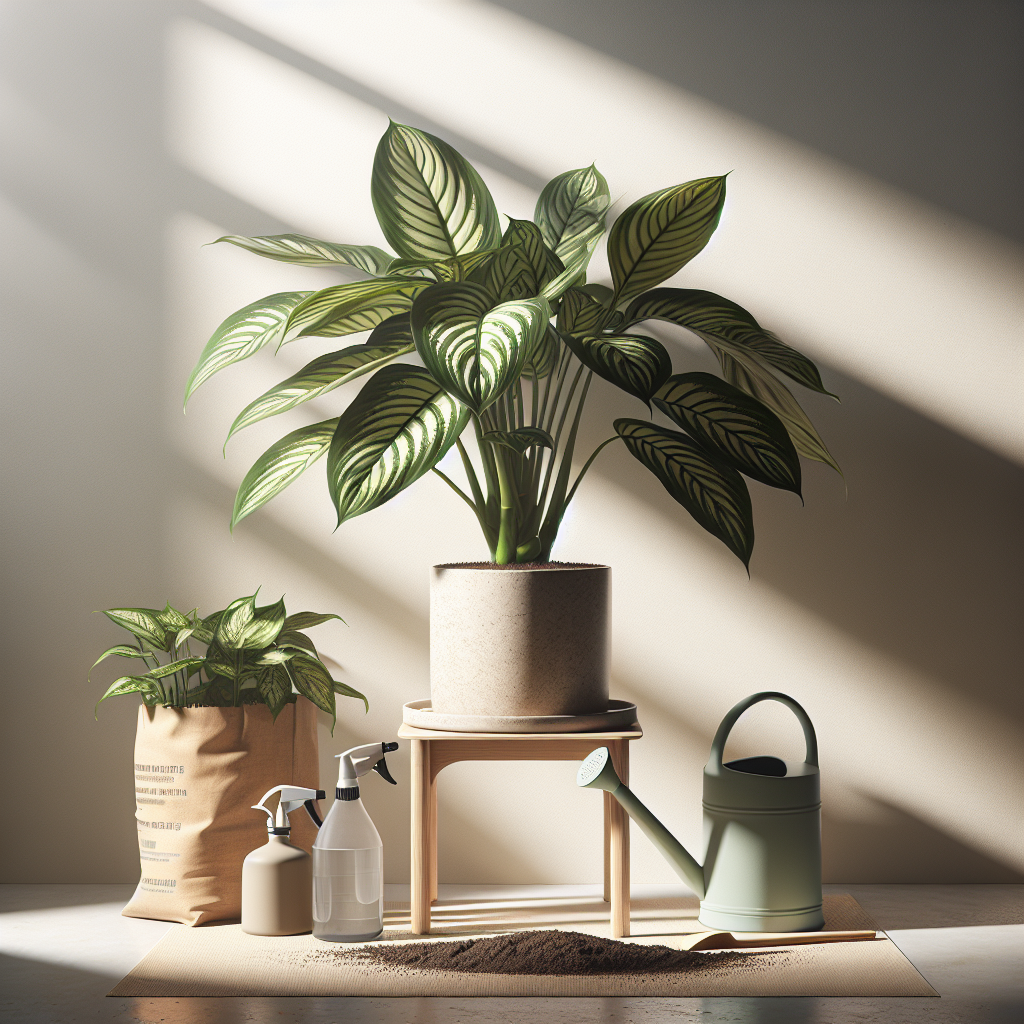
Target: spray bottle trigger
{"points": [[381, 768]]}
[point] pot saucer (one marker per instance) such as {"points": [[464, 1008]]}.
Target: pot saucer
{"points": [[620, 715]]}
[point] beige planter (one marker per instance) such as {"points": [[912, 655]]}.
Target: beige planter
{"points": [[519, 641]]}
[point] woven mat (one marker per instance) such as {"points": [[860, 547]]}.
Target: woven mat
{"points": [[222, 960]]}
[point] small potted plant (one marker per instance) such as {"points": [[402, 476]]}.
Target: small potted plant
{"points": [[510, 335], [215, 732]]}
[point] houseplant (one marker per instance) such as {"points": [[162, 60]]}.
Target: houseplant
{"points": [[215, 732], [254, 656], [510, 335]]}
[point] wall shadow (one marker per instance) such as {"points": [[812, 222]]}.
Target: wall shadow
{"points": [[924, 560], [918, 95], [892, 846]]}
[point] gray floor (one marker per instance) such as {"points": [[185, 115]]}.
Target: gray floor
{"points": [[63, 946]]}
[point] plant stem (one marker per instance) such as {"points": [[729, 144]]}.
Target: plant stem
{"points": [[505, 550]]}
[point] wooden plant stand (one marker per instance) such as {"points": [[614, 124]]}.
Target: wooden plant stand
{"points": [[433, 750]]}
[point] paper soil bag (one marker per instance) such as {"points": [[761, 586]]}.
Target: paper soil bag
{"points": [[198, 771]]}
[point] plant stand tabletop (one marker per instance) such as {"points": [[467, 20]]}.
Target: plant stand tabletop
{"points": [[433, 750]]}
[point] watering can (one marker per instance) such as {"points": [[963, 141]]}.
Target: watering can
{"points": [[762, 832]]}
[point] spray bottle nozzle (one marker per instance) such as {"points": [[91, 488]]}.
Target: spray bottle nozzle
{"points": [[292, 798], [358, 761]]}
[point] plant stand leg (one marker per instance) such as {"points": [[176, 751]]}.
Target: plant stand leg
{"points": [[608, 804], [619, 843], [432, 844], [419, 905]]}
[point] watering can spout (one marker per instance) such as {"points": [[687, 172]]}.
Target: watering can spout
{"points": [[598, 772]]}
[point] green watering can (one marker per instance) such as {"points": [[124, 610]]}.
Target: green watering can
{"points": [[762, 833]]}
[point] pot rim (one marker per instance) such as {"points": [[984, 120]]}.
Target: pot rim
{"points": [[522, 566]]}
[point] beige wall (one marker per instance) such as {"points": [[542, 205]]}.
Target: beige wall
{"points": [[890, 605]]}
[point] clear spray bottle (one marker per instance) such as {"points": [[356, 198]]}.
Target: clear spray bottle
{"points": [[348, 856]]}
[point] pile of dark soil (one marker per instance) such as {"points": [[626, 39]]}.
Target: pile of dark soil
{"points": [[549, 952]]}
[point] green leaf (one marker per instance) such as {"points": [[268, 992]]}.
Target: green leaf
{"points": [[521, 267], [543, 356], [347, 691], [733, 426], [121, 650], [429, 200], [171, 618], [713, 493], [243, 334], [275, 656], [306, 620], [456, 268], [571, 212], [575, 270], [206, 629], [601, 292], [230, 633], [141, 622], [714, 318], [396, 330], [348, 308], [188, 665], [311, 252], [130, 684], [521, 439], [399, 426], [275, 687], [745, 372], [263, 628], [661, 233], [633, 362], [183, 634], [279, 465], [475, 351], [293, 639], [313, 681], [317, 378], [580, 313]]}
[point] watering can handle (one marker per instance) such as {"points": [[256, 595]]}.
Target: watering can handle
{"points": [[718, 744]]}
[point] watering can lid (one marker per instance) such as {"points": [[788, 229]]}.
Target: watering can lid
{"points": [[749, 783]]}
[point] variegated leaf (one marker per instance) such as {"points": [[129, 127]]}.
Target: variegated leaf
{"points": [[745, 372], [141, 622], [733, 426], [294, 640], [633, 362], [399, 426], [313, 681], [543, 356], [243, 334], [190, 666], [171, 618], [571, 212], [661, 233], [231, 628], [274, 686], [356, 306], [280, 464], [263, 628], [306, 620], [318, 378], [730, 326], [129, 684], [429, 200], [521, 267], [474, 351], [348, 691], [712, 492], [575, 270], [521, 439], [120, 650], [580, 313], [312, 252]]}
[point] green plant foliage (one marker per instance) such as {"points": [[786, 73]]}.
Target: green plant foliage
{"points": [[510, 333], [398, 427], [254, 655]]}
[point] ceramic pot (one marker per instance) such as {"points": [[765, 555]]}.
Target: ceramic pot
{"points": [[519, 641]]}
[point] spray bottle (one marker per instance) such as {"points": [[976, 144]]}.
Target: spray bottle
{"points": [[276, 877], [348, 856]]}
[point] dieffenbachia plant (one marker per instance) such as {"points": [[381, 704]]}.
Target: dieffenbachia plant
{"points": [[510, 334], [254, 655]]}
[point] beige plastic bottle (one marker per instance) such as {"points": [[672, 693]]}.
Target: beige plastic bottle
{"points": [[277, 880]]}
